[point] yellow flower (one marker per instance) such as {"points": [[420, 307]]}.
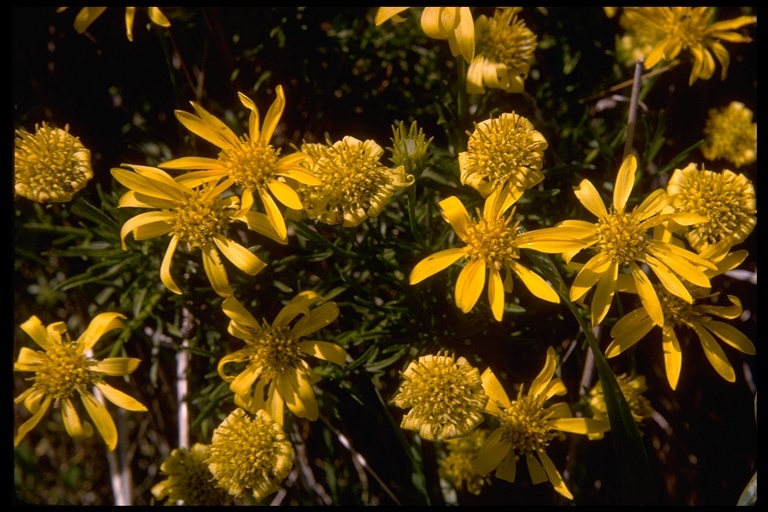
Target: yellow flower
{"points": [[504, 150], [731, 135], [632, 388], [353, 185], [51, 165], [409, 147], [194, 216], [492, 244], [682, 317], [88, 15], [275, 370], [451, 23], [504, 53], [620, 240], [189, 481], [456, 466], [527, 426], [726, 200], [250, 162], [445, 396], [65, 370], [687, 28], [250, 453]]}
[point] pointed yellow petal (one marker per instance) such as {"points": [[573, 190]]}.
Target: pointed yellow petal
{"points": [[188, 163], [72, 422], [455, 213], [507, 469], [589, 275], [325, 350], [491, 453], [86, 16], [470, 285], [554, 475], [273, 213], [316, 320], [157, 17], [673, 356], [289, 169], [273, 115], [496, 394], [37, 331], [29, 360], [285, 194], [545, 375], [715, 353], [625, 180], [558, 239], [535, 469], [260, 223], [385, 13], [588, 195], [603, 297], [535, 283], [580, 425], [241, 257], [101, 419], [214, 128], [464, 35], [648, 295], [152, 222], [130, 14], [32, 422], [669, 280], [165, 266], [214, 269], [99, 326], [630, 329], [241, 385], [496, 294], [119, 398], [116, 366], [435, 263], [731, 335], [296, 390]]}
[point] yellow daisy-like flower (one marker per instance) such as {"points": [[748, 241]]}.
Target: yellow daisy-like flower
{"points": [[620, 240], [65, 370], [194, 215], [456, 466], [731, 135], [250, 453], [504, 150], [88, 15], [452, 23], [726, 200], [276, 373], [527, 426], [353, 184], [445, 396], [50, 165], [250, 162], [190, 481], [632, 388], [681, 317], [492, 244], [687, 28], [504, 53]]}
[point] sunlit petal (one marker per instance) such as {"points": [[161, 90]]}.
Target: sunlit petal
{"points": [[435, 263]]}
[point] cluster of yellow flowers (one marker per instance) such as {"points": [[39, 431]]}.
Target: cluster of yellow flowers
{"points": [[665, 248]]}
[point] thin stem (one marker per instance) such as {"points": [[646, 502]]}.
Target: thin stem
{"points": [[632, 118]]}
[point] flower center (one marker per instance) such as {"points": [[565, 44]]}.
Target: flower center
{"points": [[493, 241], [524, 423], [198, 220], [252, 165], [507, 40], [623, 237], [678, 312], [64, 372], [686, 25], [275, 350]]}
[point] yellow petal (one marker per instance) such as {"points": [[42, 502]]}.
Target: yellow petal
{"points": [[715, 353], [285, 194], [535, 283], [215, 271], [554, 475], [507, 469], [188, 163], [116, 366], [603, 297], [589, 275], [325, 350], [630, 329], [99, 326], [273, 214], [241, 385], [431, 23], [149, 222], [157, 17], [545, 375], [673, 356], [435, 263], [241, 257], [29, 360], [119, 398], [273, 115], [130, 14], [316, 320], [491, 453], [165, 266], [296, 390], [580, 425], [731, 335], [648, 295], [37, 331], [669, 280], [464, 35], [101, 419], [558, 239], [470, 285], [496, 394], [149, 186], [558, 410], [455, 213], [588, 195], [86, 16], [238, 356], [385, 13], [496, 294], [290, 170], [535, 469], [32, 422], [625, 180], [219, 133], [260, 223]]}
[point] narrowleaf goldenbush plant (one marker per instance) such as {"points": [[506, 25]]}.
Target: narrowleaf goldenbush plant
{"points": [[385, 256]]}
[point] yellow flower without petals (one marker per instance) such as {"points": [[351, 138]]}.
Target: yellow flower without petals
{"points": [[353, 184], [444, 394], [726, 200], [64, 370], [189, 480], [632, 388], [500, 151], [527, 426], [88, 15], [276, 373], [250, 162], [250, 453], [731, 135], [50, 165], [456, 466], [492, 245], [190, 209], [504, 53], [675, 29], [620, 240]]}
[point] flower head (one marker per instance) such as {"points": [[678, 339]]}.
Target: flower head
{"points": [[451, 23], [65, 369], [276, 373], [492, 244], [88, 15], [620, 240], [683, 318], [731, 135], [445, 396], [632, 388], [674, 29], [409, 148], [189, 481], [504, 53], [250, 453], [190, 208], [503, 150], [726, 200], [456, 466], [250, 162], [352, 183], [527, 426], [50, 165]]}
